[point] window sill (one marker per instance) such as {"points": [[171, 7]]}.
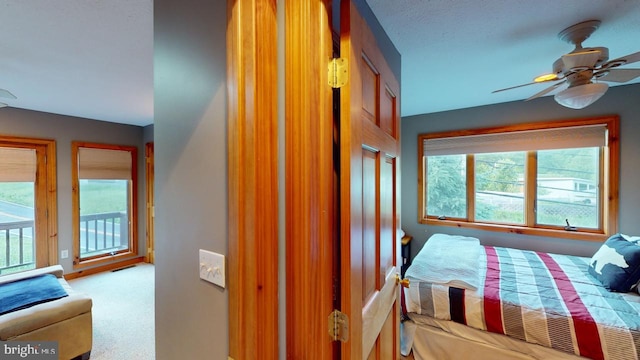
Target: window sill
{"points": [[514, 229], [104, 260]]}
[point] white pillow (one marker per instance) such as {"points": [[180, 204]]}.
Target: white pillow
{"points": [[449, 260]]}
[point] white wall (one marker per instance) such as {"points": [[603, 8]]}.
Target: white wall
{"points": [[191, 176], [622, 100], [64, 130]]}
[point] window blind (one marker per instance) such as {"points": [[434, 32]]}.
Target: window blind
{"points": [[525, 140], [106, 164], [17, 164]]}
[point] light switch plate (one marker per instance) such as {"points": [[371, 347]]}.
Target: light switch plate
{"points": [[212, 267]]}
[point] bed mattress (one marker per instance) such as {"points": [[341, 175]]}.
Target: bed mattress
{"points": [[541, 298]]}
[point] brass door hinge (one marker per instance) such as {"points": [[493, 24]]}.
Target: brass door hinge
{"points": [[338, 326], [338, 71]]}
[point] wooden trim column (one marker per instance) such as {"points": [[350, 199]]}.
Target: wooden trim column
{"points": [[310, 181], [252, 179]]}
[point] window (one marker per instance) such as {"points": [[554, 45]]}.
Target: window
{"points": [[28, 217], [104, 202], [550, 179]]}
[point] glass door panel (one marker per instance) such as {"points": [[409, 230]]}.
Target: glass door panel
{"points": [[17, 214]]}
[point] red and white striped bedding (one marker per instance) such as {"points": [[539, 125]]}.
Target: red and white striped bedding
{"points": [[541, 298]]}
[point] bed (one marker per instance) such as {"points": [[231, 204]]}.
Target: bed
{"points": [[483, 302]]}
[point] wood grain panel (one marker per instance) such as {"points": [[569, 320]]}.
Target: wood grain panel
{"points": [[310, 184], [388, 111], [387, 334], [150, 210], [387, 223], [252, 178], [370, 209], [40, 212], [370, 91], [351, 183], [374, 137], [374, 313]]}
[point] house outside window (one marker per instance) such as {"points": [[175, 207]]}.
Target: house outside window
{"points": [[554, 179]]}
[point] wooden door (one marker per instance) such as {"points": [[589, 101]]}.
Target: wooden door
{"points": [[369, 194]]}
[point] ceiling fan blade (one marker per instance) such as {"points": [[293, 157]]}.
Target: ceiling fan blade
{"points": [[547, 90], [631, 58], [513, 87], [619, 75], [518, 86], [7, 94]]}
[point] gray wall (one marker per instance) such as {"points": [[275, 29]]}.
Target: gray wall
{"points": [[64, 130], [622, 100], [147, 134], [191, 176]]}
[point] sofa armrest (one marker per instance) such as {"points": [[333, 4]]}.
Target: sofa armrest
{"points": [[56, 270]]}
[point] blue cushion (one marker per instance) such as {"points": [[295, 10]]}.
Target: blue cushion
{"points": [[617, 263], [24, 293]]}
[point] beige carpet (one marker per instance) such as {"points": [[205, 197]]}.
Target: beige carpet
{"points": [[123, 312]]}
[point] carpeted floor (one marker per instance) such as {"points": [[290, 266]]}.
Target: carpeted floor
{"points": [[123, 312]]}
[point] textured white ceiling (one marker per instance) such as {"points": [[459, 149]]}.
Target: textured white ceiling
{"points": [[86, 58], [455, 53], [94, 58]]}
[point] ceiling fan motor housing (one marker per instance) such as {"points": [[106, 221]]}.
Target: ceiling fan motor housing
{"points": [[580, 78], [579, 60]]}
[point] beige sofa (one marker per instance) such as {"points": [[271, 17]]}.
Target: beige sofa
{"points": [[66, 320]]}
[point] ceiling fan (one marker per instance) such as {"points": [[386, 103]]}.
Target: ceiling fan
{"points": [[6, 94], [584, 71]]}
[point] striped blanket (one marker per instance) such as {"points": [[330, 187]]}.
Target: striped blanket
{"points": [[541, 298]]}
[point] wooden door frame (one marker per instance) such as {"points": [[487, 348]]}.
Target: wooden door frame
{"points": [[252, 94], [149, 201], [311, 183], [311, 222]]}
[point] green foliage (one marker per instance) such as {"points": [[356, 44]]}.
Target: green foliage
{"points": [[446, 185], [96, 196], [499, 171], [582, 163], [20, 193], [101, 196]]}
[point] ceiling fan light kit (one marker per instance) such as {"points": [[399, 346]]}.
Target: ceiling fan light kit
{"points": [[581, 96], [576, 69]]}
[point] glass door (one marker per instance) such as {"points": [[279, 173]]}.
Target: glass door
{"points": [[17, 209]]}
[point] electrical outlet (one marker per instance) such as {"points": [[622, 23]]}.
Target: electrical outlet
{"points": [[64, 254], [212, 267]]}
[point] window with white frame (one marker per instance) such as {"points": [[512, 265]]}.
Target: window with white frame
{"points": [[551, 178]]}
